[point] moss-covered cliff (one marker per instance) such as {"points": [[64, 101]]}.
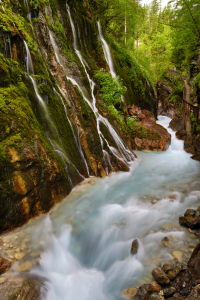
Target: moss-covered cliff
{"points": [[51, 136]]}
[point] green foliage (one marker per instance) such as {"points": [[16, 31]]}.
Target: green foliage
{"points": [[111, 88]]}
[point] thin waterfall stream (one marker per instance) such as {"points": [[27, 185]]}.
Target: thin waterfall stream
{"points": [[51, 129], [81, 249]]}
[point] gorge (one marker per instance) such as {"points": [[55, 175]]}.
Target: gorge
{"points": [[76, 109]]}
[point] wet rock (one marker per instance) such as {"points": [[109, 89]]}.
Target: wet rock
{"points": [[190, 212], [177, 123], [4, 265], [195, 293], [169, 291], [156, 296], [189, 221], [19, 255], [135, 246], [130, 293], [167, 267], [184, 292], [174, 272], [24, 267], [155, 287], [160, 276], [143, 292], [177, 255], [194, 261], [166, 242]]}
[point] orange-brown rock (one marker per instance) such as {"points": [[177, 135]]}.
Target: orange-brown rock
{"points": [[152, 135], [4, 265]]}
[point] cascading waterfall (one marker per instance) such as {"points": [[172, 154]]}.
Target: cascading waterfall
{"points": [[107, 54], [124, 153], [51, 131], [106, 51], [76, 139]]}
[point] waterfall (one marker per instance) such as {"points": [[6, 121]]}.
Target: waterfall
{"points": [[51, 129], [29, 64], [124, 153], [77, 141], [106, 51]]}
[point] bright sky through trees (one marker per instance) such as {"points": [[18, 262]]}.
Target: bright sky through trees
{"points": [[163, 2]]}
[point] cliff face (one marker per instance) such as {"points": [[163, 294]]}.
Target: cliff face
{"points": [[55, 127]]}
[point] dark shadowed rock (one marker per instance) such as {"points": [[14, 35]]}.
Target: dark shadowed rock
{"points": [[167, 267], [190, 212], [4, 265], [169, 291], [134, 247], [160, 276], [194, 261], [174, 272], [189, 221], [143, 292]]}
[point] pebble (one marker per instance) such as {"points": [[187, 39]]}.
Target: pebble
{"points": [[191, 245], [24, 267], [17, 250], [19, 255], [177, 254]]}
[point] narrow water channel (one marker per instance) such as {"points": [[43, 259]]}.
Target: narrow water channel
{"points": [[85, 241]]}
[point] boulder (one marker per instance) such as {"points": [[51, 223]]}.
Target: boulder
{"points": [[4, 265], [189, 221], [177, 123], [160, 276], [135, 246]]}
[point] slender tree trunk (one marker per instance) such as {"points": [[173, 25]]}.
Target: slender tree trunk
{"points": [[125, 27], [137, 42]]}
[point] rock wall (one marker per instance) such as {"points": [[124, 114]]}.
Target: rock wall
{"points": [[49, 135]]}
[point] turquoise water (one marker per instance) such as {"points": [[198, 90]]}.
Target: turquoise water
{"points": [[86, 239]]}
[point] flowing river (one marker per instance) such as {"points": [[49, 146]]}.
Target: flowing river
{"points": [[82, 248]]}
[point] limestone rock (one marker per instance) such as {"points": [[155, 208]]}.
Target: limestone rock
{"points": [[134, 247], [160, 276], [177, 255]]}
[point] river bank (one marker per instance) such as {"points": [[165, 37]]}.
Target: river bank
{"points": [[87, 238]]}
